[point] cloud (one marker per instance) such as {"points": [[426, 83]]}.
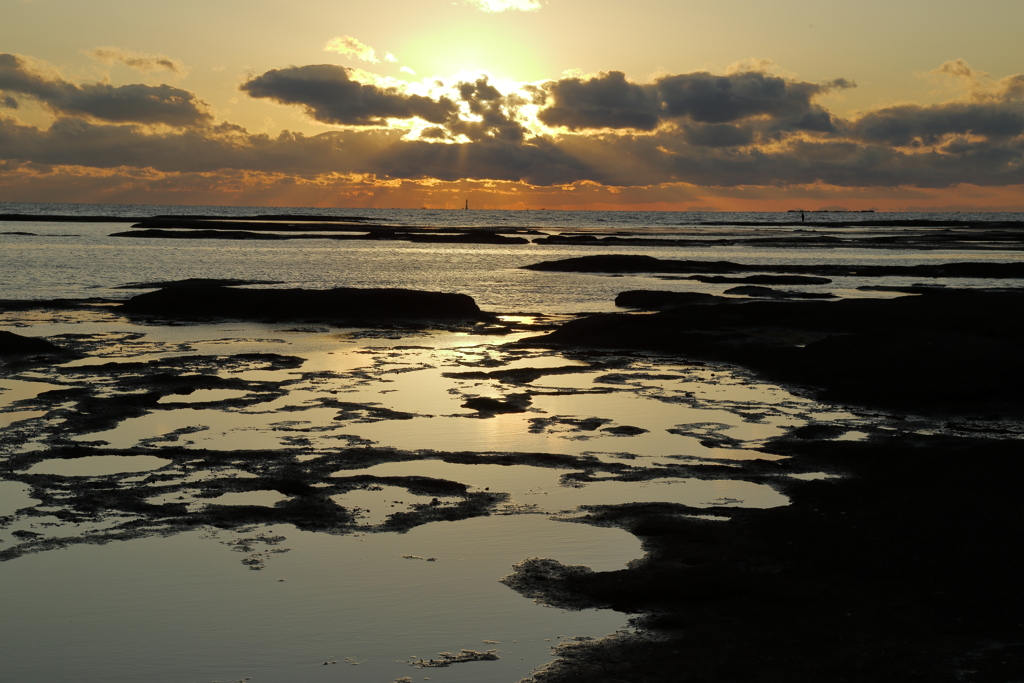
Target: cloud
{"points": [[390, 58], [328, 94], [925, 126], [707, 98], [991, 112], [958, 68], [604, 101], [505, 5], [613, 160], [407, 70], [702, 99], [734, 132], [137, 60], [331, 94], [494, 113], [136, 103], [353, 47]]}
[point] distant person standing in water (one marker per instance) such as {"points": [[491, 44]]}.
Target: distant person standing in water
{"points": [[802, 219]]}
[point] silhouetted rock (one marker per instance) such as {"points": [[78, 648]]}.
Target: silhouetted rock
{"points": [[762, 279], [625, 430], [769, 293], [649, 264], [330, 232], [343, 303], [944, 347], [14, 344], [470, 237], [603, 264], [651, 300], [483, 404]]}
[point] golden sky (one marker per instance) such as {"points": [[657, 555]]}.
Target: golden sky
{"points": [[674, 105]]}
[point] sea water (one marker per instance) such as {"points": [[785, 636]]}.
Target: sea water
{"points": [[80, 260]]}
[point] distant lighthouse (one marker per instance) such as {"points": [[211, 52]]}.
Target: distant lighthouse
{"points": [[467, 205]]}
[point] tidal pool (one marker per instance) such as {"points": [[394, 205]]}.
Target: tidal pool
{"points": [[98, 465], [13, 390], [179, 601], [543, 488], [13, 497], [184, 608]]}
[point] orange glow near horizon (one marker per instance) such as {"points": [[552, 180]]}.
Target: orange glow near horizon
{"points": [[83, 185]]}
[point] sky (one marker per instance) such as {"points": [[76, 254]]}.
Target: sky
{"points": [[729, 105]]}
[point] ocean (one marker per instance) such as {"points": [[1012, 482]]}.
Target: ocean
{"points": [[80, 260]]}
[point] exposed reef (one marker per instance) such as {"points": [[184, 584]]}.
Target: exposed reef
{"points": [[902, 570], [898, 567], [769, 293], [649, 264], [12, 344], [468, 237], [898, 564], [272, 219], [877, 234], [944, 349], [343, 303]]}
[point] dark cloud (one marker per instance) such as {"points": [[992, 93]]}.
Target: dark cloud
{"points": [[541, 161], [497, 114], [227, 147], [698, 99], [621, 160], [136, 103], [740, 130], [604, 101], [329, 94], [913, 125], [718, 135], [706, 98]]}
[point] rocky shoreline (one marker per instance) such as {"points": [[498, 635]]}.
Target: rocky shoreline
{"points": [[899, 566], [903, 568]]}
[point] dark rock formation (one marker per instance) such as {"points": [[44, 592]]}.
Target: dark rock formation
{"points": [[343, 303], [769, 293], [652, 300], [902, 571], [942, 348], [604, 264], [762, 279], [514, 404], [649, 264], [15, 345], [469, 237]]}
